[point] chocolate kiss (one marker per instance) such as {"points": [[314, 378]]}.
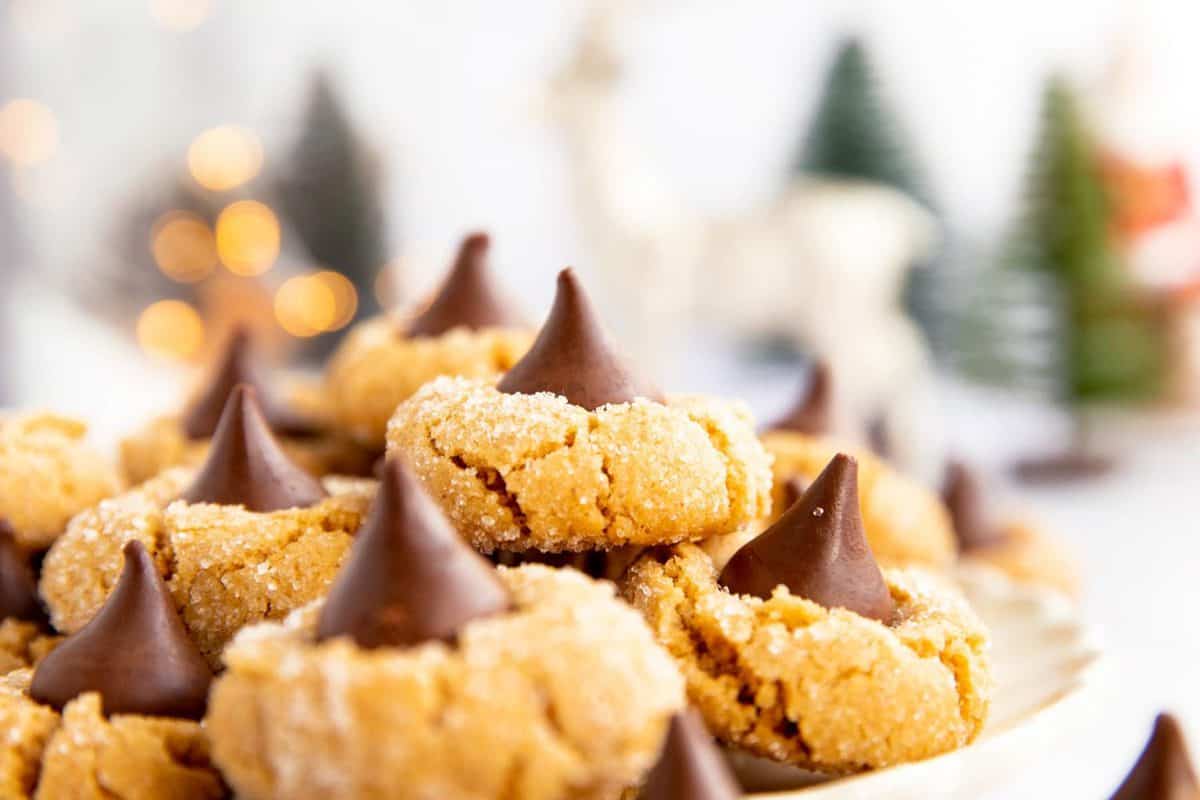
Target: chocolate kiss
{"points": [[468, 297], [246, 467], [135, 652], [690, 767], [817, 549], [409, 577], [18, 586], [573, 356], [812, 412], [1164, 770], [236, 366], [963, 496]]}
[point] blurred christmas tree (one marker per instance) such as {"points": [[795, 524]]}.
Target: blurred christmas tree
{"points": [[330, 193], [1098, 339], [855, 135]]}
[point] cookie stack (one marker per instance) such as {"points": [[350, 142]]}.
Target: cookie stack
{"points": [[250, 619]]}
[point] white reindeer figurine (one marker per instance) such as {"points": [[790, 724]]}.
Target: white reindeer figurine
{"points": [[824, 262]]}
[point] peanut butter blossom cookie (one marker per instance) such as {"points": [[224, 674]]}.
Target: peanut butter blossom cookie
{"points": [[572, 451], [48, 473], [803, 651], [1017, 548], [906, 523], [111, 712], [248, 536], [184, 439], [468, 329], [23, 626], [427, 673]]}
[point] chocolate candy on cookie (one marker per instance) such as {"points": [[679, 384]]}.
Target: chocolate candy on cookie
{"points": [[245, 537], [469, 329], [1016, 547], [803, 651], [1164, 770], [690, 767], [906, 523], [112, 711], [183, 439], [572, 451], [428, 672]]}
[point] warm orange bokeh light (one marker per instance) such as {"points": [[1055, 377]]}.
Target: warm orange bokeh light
{"points": [[305, 306], [345, 298], [28, 132], [170, 329], [224, 158], [179, 15], [183, 246], [247, 237]]}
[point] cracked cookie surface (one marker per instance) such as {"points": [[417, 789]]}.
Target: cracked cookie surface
{"points": [[162, 444], [906, 523], [47, 474], [519, 472], [81, 755], [377, 367], [23, 644], [565, 696], [225, 566], [825, 689]]}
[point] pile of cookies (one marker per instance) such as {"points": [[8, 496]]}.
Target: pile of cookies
{"points": [[489, 563]]}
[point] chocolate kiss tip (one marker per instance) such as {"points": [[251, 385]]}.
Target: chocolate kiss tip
{"points": [[245, 465], [1164, 770], [18, 586], [468, 296], [963, 497], [689, 767], [812, 413], [818, 549], [135, 652], [573, 356], [409, 578]]}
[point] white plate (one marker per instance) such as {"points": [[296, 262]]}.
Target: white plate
{"points": [[1048, 669]]}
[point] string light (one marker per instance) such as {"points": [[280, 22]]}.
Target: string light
{"points": [[28, 132], [345, 298], [305, 306], [180, 15], [183, 246], [247, 238], [170, 329], [224, 158]]}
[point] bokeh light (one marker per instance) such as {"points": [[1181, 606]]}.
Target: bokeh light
{"points": [[28, 132], [345, 298], [305, 306], [170, 329], [183, 246], [180, 15], [247, 237], [224, 158]]}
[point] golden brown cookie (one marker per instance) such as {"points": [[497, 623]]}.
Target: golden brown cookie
{"points": [[519, 472], [225, 566], [80, 755], [906, 523], [1029, 555], [564, 696], [47, 474], [162, 444], [377, 367], [23, 644], [790, 680]]}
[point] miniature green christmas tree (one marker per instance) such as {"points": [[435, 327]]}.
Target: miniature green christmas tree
{"points": [[854, 134], [1103, 342], [330, 195]]}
